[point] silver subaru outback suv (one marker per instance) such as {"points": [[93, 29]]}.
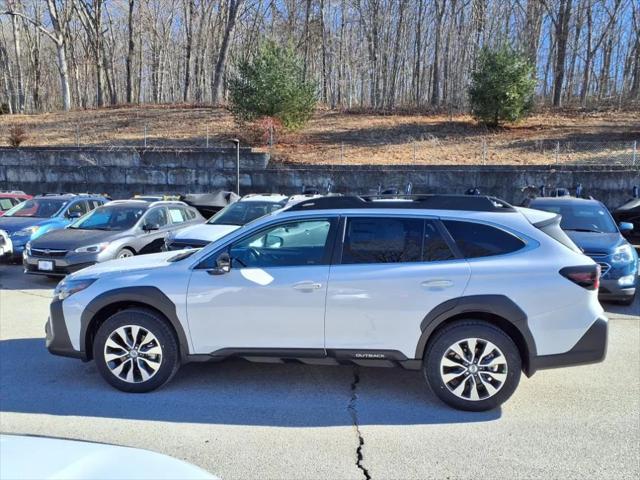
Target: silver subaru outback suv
{"points": [[470, 290]]}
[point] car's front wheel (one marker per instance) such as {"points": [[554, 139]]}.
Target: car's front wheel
{"points": [[472, 365], [135, 350]]}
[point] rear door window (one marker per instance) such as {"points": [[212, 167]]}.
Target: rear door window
{"points": [[177, 215], [479, 240], [393, 240]]}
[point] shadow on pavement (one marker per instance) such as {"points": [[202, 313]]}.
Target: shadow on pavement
{"points": [[12, 278], [231, 392]]}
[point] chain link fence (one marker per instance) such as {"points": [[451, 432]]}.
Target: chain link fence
{"points": [[432, 150], [471, 152]]}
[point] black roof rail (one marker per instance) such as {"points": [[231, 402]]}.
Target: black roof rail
{"points": [[474, 203]]}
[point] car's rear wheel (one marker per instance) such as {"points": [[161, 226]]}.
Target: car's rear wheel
{"points": [[472, 365], [136, 350]]}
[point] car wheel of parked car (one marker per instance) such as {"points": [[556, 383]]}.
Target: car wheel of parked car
{"points": [[125, 253], [472, 365], [136, 350]]}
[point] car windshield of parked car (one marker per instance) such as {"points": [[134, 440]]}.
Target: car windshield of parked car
{"points": [[581, 217], [37, 207], [240, 213], [110, 218]]}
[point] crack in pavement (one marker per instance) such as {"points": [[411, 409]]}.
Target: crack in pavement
{"points": [[354, 418]]}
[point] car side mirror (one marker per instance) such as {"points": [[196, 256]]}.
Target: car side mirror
{"points": [[149, 227], [625, 226], [223, 264], [74, 215]]}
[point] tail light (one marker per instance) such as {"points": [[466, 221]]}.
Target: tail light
{"points": [[587, 276]]}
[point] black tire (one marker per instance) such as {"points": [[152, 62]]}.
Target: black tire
{"points": [[457, 332], [155, 324], [125, 253]]}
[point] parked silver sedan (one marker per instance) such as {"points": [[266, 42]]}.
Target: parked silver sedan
{"points": [[119, 229]]}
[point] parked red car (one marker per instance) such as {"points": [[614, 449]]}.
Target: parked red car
{"points": [[11, 199]]}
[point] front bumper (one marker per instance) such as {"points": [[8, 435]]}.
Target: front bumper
{"points": [[591, 348], [56, 334], [611, 290], [61, 265]]}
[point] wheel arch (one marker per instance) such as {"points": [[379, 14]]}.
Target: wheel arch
{"points": [[497, 310], [108, 303]]}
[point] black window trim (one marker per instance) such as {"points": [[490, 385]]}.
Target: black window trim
{"points": [[330, 247], [524, 239], [446, 236]]}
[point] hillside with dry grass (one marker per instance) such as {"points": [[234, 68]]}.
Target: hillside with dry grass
{"points": [[347, 138]]}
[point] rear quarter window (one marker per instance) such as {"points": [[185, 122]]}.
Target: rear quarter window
{"points": [[479, 240]]}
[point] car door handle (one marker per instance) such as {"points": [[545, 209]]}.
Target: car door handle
{"points": [[307, 286], [440, 283]]}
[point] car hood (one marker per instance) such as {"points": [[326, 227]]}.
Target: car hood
{"points": [[591, 242], [127, 265], [72, 238], [71, 459], [13, 224], [205, 231]]}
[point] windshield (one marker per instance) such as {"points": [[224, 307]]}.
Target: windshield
{"points": [[110, 218], [581, 217], [37, 207], [240, 213]]}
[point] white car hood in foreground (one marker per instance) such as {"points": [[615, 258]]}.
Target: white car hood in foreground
{"points": [[138, 262], [24, 457], [204, 231]]}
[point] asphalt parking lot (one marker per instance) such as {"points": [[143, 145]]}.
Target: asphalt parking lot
{"points": [[242, 420]]}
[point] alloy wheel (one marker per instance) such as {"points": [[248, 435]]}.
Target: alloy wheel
{"points": [[473, 369], [133, 354]]}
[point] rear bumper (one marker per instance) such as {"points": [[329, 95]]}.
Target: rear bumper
{"points": [[57, 335], [591, 348]]}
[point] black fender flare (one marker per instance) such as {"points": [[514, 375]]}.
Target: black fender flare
{"points": [[495, 305], [152, 297]]}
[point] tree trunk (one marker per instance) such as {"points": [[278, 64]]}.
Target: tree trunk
{"points": [[562, 34], [187, 57], [233, 7], [17, 48], [435, 84], [130, 52]]}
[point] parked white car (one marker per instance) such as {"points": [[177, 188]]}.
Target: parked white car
{"points": [[28, 457], [467, 288], [230, 218]]}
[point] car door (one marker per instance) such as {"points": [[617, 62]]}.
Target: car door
{"points": [[152, 240], [272, 300], [390, 273]]}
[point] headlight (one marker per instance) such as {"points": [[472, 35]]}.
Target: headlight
{"points": [[28, 248], [622, 254], [97, 248], [26, 232], [627, 280], [67, 288]]}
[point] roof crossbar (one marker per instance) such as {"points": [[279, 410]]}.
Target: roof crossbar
{"points": [[474, 203]]}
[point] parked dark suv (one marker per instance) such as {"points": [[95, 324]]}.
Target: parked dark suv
{"points": [[590, 225]]}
